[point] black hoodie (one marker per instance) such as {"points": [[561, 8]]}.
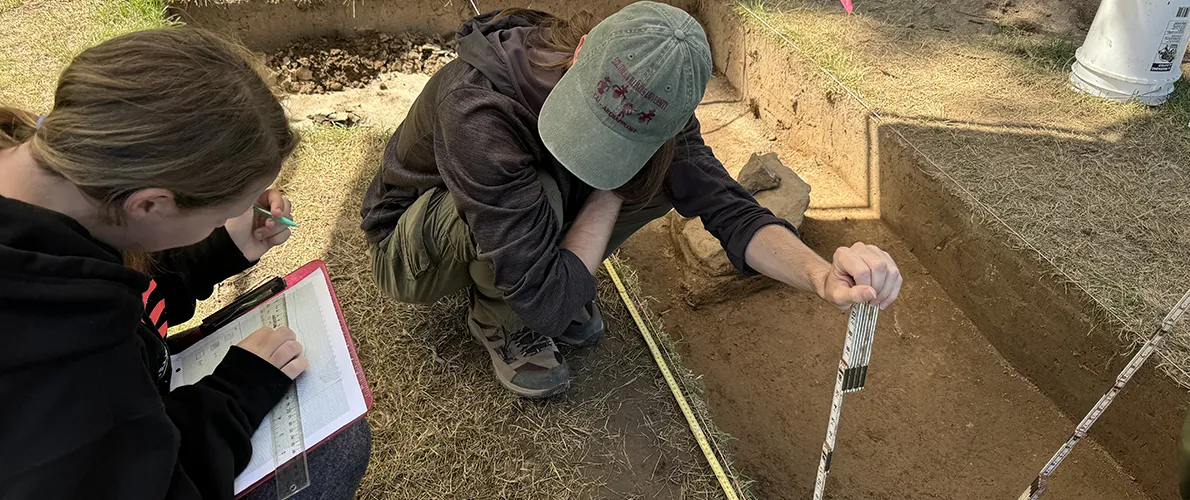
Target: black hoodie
{"points": [[474, 130], [85, 410]]}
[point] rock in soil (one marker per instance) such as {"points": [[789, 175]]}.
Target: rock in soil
{"points": [[709, 277], [760, 174], [343, 119], [327, 64]]}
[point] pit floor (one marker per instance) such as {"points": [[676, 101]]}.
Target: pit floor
{"points": [[943, 415]]}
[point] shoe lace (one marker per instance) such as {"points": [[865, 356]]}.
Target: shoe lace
{"points": [[529, 342]]}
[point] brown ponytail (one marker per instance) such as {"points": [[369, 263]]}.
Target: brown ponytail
{"points": [[176, 108], [16, 126]]}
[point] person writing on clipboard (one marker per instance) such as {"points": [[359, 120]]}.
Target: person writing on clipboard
{"points": [[131, 199]]}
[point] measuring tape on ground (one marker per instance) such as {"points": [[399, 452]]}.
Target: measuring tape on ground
{"points": [[289, 440], [1034, 491], [696, 429], [853, 372]]}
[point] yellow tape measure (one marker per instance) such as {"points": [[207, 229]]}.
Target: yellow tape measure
{"points": [[695, 428]]}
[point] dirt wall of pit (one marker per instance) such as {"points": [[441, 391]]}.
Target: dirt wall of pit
{"points": [[1054, 334], [266, 26], [793, 97]]}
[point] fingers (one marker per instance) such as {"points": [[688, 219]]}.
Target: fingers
{"points": [[277, 239], [296, 366], [877, 263], [272, 233], [279, 347], [274, 201], [285, 353], [892, 294], [849, 265], [875, 275]]}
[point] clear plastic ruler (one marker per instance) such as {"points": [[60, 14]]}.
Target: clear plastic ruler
{"points": [[1034, 491], [853, 373], [289, 441]]}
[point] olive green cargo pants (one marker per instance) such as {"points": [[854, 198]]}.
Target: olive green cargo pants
{"points": [[430, 254]]}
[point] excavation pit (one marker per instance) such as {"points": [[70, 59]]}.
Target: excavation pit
{"points": [[979, 372]]}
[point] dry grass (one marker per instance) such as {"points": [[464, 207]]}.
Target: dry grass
{"points": [[1094, 188], [443, 427], [42, 36]]}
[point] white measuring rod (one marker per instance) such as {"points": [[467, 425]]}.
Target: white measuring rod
{"points": [[1034, 491], [853, 372]]}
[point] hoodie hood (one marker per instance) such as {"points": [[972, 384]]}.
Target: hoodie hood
{"points": [[501, 51], [49, 263]]}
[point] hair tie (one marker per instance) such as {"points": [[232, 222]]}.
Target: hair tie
{"points": [[39, 120]]}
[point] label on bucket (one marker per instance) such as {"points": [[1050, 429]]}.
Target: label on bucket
{"points": [[1171, 41]]}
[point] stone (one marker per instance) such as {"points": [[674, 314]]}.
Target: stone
{"points": [[336, 86], [761, 173], [790, 200], [344, 119], [303, 74], [702, 250], [708, 275]]}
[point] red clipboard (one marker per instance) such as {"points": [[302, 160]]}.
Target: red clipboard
{"points": [[290, 280]]}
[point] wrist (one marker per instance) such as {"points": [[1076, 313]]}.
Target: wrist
{"points": [[819, 276], [245, 244]]}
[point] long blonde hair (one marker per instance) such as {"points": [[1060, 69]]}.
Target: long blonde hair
{"points": [[177, 108]]}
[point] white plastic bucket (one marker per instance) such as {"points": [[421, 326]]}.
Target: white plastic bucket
{"points": [[1133, 50]]}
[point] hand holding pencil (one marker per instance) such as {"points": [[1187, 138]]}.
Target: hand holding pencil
{"points": [[266, 225]]}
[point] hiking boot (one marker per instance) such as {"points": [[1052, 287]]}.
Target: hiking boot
{"points": [[526, 362], [586, 330]]}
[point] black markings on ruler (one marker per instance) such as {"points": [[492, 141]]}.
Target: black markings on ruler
{"points": [[853, 371], [1183, 12]]}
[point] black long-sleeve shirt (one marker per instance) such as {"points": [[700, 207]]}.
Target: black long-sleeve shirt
{"points": [[473, 129], [85, 410]]}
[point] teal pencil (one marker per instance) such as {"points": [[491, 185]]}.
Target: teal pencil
{"points": [[283, 220]]}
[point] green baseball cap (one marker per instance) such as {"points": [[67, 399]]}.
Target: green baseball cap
{"points": [[636, 82]]}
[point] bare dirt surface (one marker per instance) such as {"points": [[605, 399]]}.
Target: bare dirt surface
{"points": [[943, 414]]}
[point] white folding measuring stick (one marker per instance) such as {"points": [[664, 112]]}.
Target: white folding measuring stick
{"points": [[1034, 491], [289, 440], [853, 370]]}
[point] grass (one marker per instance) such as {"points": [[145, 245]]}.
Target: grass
{"points": [[42, 36], [1086, 183]]}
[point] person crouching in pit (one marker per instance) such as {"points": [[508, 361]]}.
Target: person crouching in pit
{"points": [[536, 154]]}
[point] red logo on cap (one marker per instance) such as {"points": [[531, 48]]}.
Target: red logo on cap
{"points": [[647, 117], [603, 85]]}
